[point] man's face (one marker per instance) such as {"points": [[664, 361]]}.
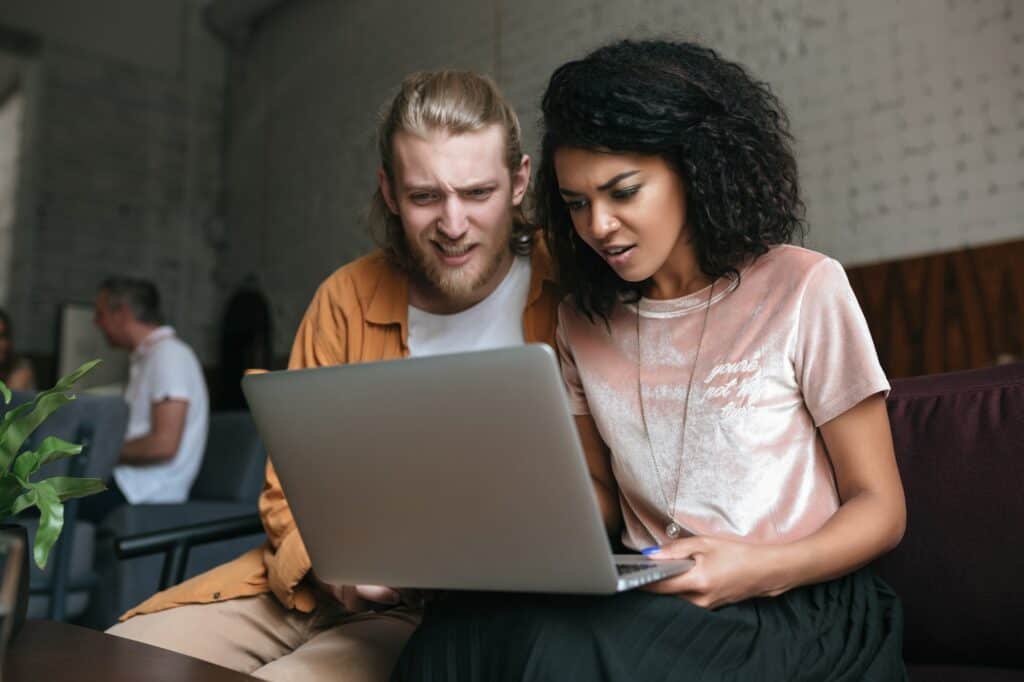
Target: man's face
{"points": [[111, 320], [455, 197]]}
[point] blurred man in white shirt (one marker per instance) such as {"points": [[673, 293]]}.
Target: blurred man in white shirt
{"points": [[167, 400]]}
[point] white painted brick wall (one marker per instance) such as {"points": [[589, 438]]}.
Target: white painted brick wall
{"points": [[909, 114], [125, 173], [10, 132]]}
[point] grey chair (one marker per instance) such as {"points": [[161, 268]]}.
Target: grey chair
{"points": [[227, 487], [234, 462], [61, 591]]}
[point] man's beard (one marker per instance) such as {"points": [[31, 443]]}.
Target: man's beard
{"points": [[456, 283]]}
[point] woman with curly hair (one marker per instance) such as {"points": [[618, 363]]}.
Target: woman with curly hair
{"points": [[728, 396]]}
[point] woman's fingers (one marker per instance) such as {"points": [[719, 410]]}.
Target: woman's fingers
{"points": [[683, 548], [693, 582]]}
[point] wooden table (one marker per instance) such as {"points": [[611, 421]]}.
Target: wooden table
{"points": [[57, 652]]}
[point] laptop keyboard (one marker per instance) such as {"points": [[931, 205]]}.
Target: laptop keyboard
{"points": [[625, 569]]}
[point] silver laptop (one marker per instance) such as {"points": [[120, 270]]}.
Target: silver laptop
{"points": [[458, 471]]}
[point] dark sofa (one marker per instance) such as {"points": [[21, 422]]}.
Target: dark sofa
{"points": [[960, 569]]}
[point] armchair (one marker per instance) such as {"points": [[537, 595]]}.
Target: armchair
{"points": [[226, 488]]}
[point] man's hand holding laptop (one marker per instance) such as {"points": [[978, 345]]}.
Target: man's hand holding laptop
{"points": [[357, 598]]}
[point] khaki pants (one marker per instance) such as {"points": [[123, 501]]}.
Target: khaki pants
{"points": [[258, 636]]}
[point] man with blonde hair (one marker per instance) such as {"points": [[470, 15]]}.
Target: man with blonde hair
{"points": [[457, 271]]}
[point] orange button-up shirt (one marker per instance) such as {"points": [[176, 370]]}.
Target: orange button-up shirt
{"points": [[359, 314]]}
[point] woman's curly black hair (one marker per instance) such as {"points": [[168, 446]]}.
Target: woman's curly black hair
{"points": [[724, 132]]}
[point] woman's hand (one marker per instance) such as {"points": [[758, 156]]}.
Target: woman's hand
{"points": [[870, 521], [724, 571]]}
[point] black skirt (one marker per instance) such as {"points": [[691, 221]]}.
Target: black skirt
{"points": [[846, 629]]}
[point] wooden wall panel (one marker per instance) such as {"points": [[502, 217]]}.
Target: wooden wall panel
{"points": [[945, 312]]}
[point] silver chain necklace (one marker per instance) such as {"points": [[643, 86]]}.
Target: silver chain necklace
{"points": [[672, 529]]}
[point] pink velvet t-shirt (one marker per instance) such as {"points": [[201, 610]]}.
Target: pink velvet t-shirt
{"points": [[785, 350]]}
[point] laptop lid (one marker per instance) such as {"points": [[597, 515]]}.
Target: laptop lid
{"points": [[459, 471]]}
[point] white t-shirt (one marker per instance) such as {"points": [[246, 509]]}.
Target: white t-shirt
{"points": [[495, 322], [164, 367]]}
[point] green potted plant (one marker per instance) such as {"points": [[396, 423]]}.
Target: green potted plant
{"points": [[18, 489]]}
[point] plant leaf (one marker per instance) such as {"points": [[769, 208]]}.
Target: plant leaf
{"points": [[67, 487], [11, 415], [24, 501], [45, 404], [10, 489], [50, 450], [51, 521], [9, 418], [65, 383], [26, 464], [21, 426], [6, 392]]}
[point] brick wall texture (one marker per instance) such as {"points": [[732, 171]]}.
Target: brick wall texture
{"points": [[908, 114], [121, 175]]}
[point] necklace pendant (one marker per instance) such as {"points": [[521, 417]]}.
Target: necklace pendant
{"points": [[673, 530]]}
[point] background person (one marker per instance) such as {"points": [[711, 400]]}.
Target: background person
{"points": [[15, 371], [168, 405]]}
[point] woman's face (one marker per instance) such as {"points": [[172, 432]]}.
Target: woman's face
{"points": [[629, 208]]}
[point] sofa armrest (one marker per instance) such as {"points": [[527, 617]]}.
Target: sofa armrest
{"points": [[175, 543]]}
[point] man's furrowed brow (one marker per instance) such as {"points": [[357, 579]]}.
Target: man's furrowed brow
{"points": [[463, 187], [420, 187], [475, 184]]}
